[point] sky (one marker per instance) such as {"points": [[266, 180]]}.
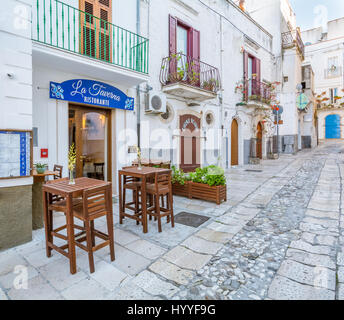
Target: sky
{"points": [[313, 13]]}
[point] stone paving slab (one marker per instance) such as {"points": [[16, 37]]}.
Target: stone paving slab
{"points": [[215, 236], [130, 291], [87, 289], [285, 289], [311, 259], [202, 246], [171, 271], [186, 258], [313, 276], [150, 283], [304, 246], [38, 289], [147, 249]]}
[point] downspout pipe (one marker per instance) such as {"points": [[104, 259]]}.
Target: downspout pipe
{"points": [[138, 96]]}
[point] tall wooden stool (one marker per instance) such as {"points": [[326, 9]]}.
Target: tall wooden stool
{"points": [[162, 186], [96, 203], [133, 184]]}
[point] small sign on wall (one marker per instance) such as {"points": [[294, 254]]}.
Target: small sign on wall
{"points": [[44, 153]]}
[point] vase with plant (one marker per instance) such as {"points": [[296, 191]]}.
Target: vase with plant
{"points": [[71, 163], [139, 159], [40, 167]]}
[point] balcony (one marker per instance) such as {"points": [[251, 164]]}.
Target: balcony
{"points": [[67, 37], [292, 39], [189, 78], [257, 93], [334, 72]]}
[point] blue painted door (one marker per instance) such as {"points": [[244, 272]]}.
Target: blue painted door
{"points": [[332, 126]]}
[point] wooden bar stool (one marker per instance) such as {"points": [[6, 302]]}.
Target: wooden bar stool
{"points": [[58, 169], [59, 204], [133, 184], [96, 203], [161, 187]]}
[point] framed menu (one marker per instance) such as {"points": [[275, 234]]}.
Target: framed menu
{"points": [[15, 153]]}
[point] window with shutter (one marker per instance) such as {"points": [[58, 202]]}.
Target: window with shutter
{"points": [[96, 28], [105, 2], [252, 75], [184, 40]]}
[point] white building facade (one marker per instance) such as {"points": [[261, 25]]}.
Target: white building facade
{"points": [[325, 52], [203, 124]]}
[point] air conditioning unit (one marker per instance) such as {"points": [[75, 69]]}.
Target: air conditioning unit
{"points": [[155, 103]]}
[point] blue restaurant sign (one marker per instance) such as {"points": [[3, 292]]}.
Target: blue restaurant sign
{"points": [[91, 92]]}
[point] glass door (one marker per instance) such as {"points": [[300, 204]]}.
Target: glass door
{"points": [[89, 131]]}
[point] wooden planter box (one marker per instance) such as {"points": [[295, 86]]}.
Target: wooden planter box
{"points": [[181, 190], [201, 191]]}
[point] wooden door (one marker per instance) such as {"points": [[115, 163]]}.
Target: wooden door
{"points": [[90, 131], [96, 28], [234, 143], [259, 141], [189, 142]]}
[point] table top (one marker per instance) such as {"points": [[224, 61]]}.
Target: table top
{"points": [[145, 171], [46, 173], [63, 187]]}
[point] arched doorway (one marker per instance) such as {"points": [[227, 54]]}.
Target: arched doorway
{"points": [[332, 126], [189, 142], [234, 143], [259, 140]]}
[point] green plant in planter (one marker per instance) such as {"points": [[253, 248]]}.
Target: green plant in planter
{"points": [[40, 167], [215, 176], [178, 176]]}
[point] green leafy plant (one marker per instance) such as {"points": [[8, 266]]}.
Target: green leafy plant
{"points": [[178, 176], [215, 176], [39, 165]]}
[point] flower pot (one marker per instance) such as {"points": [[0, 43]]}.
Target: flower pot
{"points": [[40, 170]]}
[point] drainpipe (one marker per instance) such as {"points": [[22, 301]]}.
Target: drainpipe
{"points": [[138, 128], [222, 150]]}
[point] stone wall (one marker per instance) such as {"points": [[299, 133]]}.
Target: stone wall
{"points": [[15, 216]]}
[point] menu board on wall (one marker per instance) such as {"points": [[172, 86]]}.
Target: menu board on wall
{"points": [[15, 153]]}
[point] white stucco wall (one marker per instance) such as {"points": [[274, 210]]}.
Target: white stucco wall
{"points": [[15, 59]]}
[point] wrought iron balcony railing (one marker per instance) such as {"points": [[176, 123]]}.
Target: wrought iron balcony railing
{"points": [[257, 91], [291, 39], [62, 26], [179, 68], [333, 72]]}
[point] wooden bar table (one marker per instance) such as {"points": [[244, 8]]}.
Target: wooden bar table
{"points": [[65, 190], [37, 200], [142, 174]]}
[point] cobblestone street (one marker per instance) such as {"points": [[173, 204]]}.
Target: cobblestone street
{"points": [[279, 236]]}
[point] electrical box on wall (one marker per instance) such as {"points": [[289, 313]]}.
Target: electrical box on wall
{"points": [[44, 153]]}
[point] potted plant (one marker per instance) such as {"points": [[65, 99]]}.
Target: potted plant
{"points": [[208, 183], [40, 167], [139, 159]]}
